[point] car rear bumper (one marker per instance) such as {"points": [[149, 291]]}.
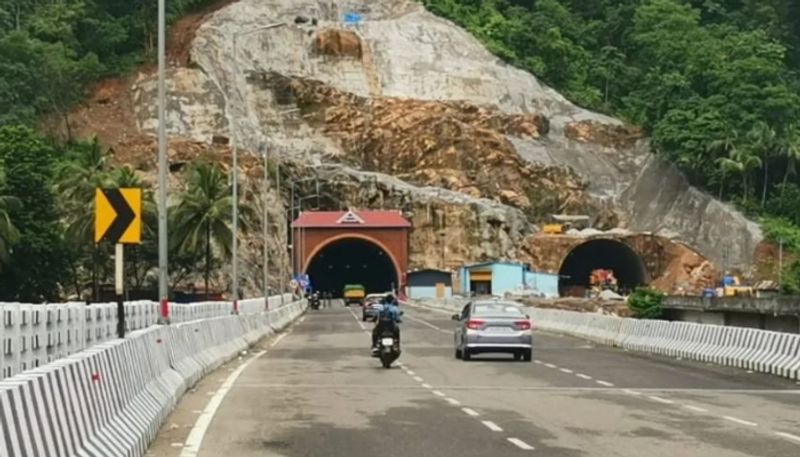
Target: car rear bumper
{"points": [[499, 346]]}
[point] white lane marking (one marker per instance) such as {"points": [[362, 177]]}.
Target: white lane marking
{"points": [[583, 376], [428, 324], [492, 426], [438, 393], [631, 392], [739, 421], [195, 439], [358, 321], [605, 383], [565, 370], [411, 373], [418, 379], [427, 386], [788, 436], [470, 412], [661, 400], [549, 365], [521, 444], [453, 401], [696, 409], [176, 444], [538, 362]]}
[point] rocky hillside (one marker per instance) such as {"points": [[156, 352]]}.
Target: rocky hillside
{"points": [[408, 110]]}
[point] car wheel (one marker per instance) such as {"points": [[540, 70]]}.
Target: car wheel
{"points": [[517, 356], [363, 317], [458, 353], [466, 355], [527, 355]]}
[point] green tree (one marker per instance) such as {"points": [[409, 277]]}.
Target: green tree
{"points": [[37, 263], [646, 303], [9, 234], [202, 218]]}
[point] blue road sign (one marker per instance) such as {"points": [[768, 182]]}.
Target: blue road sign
{"points": [[351, 18]]}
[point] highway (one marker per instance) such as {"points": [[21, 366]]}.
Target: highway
{"points": [[317, 392]]}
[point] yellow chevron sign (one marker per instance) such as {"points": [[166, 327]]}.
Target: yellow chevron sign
{"points": [[118, 215]]}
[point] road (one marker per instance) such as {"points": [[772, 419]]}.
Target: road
{"points": [[317, 392]]}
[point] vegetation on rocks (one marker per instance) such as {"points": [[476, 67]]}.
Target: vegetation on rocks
{"points": [[646, 303], [713, 82]]}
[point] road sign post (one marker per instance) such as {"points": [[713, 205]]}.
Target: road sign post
{"points": [[119, 287], [118, 219]]}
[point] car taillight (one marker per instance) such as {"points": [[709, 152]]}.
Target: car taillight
{"points": [[474, 324], [523, 325]]}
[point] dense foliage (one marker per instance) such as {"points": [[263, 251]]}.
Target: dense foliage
{"points": [[714, 82], [646, 303]]}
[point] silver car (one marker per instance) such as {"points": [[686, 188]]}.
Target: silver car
{"points": [[493, 326]]}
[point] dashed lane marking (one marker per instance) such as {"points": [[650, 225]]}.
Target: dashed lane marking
{"points": [[604, 383], [696, 409], [565, 370], [739, 421], [470, 412], [789, 436], [438, 393], [427, 386], [453, 401], [550, 365], [661, 400], [538, 362], [492, 426], [418, 379], [521, 444], [410, 372], [358, 321], [583, 376], [631, 392], [427, 324]]}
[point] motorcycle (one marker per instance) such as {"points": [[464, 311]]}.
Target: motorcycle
{"points": [[388, 348], [314, 300]]}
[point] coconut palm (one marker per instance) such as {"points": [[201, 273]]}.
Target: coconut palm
{"points": [[201, 220], [8, 233], [791, 152], [762, 139]]}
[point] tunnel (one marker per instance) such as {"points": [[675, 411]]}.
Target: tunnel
{"points": [[627, 265], [352, 261]]}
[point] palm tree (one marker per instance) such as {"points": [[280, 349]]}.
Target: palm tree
{"points": [[728, 147], [791, 152], [202, 217], [762, 139], [8, 233], [85, 169]]}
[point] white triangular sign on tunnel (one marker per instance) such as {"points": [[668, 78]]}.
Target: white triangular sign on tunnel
{"points": [[350, 218]]}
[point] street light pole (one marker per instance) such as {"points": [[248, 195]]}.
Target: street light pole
{"points": [[235, 171], [163, 292], [266, 229]]}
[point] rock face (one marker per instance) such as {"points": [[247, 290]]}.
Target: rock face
{"points": [[402, 65]]}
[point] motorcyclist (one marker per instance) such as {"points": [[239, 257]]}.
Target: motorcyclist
{"points": [[388, 318]]}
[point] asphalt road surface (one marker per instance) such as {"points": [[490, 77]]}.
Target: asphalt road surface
{"points": [[317, 392]]}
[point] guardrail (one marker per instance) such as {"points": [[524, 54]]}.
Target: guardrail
{"points": [[747, 348], [763, 351], [33, 335], [111, 399]]}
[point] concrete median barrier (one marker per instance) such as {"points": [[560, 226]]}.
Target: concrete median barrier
{"points": [[110, 399]]}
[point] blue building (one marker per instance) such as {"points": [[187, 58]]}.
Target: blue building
{"points": [[546, 283], [429, 283], [491, 278], [497, 278]]}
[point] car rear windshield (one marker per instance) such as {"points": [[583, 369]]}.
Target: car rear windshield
{"points": [[497, 309]]}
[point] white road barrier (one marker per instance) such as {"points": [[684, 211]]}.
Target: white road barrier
{"points": [[110, 399], [752, 349]]}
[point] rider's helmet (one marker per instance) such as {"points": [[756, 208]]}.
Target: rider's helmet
{"points": [[389, 299]]}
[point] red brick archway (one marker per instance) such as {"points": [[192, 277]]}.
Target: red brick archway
{"points": [[314, 232]]}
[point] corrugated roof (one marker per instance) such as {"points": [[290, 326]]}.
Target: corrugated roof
{"points": [[352, 218], [425, 270]]}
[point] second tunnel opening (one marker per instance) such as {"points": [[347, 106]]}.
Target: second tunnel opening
{"points": [[576, 268]]}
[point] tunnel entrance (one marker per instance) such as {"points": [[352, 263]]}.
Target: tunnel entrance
{"points": [[352, 261], [627, 265]]}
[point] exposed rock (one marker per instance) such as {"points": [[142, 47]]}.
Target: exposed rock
{"points": [[338, 43], [610, 136]]}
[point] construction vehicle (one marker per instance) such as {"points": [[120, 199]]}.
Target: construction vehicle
{"points": [[731, 286], [602, 279], [558, 224]]}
